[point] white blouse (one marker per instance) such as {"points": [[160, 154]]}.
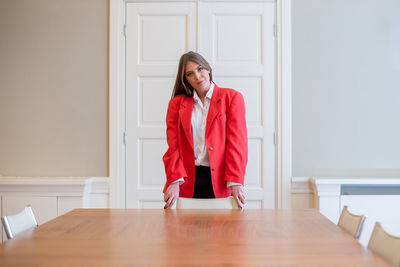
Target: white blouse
{"points": [[199, 122]]}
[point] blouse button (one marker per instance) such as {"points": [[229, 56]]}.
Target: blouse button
{"points": [[213, 169], [211, 148]]}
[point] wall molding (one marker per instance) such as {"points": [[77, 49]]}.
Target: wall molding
{"points": [[327, 191], [283, 104], [117, 103], [356, 180], [96, 193], [301, 185], [329, 185], [52, 196], [87, 188]]}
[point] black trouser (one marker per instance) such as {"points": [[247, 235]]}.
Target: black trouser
{"points": [[203, 184]]}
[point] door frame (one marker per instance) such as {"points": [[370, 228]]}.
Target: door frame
{"points": [[116, 108]]}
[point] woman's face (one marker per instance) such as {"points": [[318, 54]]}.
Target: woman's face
{"points": [[198, 77]]}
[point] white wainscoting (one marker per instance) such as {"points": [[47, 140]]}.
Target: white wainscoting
{"points": [[51, 196], [302, 195], [377, 198]]}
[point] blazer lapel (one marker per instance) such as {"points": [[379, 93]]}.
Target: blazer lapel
{"points": [[185, 114], [214, 107]]}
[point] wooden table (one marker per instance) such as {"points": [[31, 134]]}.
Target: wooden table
{"points": [[110, 237]]}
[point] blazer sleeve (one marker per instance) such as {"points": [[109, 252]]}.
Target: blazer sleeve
{"points": [[236, 152], [174, 168]]}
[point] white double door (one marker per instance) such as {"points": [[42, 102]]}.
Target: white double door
{"points": [[237, 39]]}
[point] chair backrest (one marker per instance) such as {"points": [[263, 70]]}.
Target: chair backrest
{"points": [[207, 203], [15, 224], [351, 223], [385, 245]]}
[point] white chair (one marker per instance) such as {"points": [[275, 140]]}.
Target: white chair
{"points": [[207, 203], [15, 224], [351, 223], [385, 245]]}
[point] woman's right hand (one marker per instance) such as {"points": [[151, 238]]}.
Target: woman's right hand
{"points": [[171, 195]]}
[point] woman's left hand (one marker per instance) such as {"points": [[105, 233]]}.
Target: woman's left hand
{"points": [[238, 194]]}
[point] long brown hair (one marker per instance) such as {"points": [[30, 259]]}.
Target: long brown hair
{"points": [[182, 86]]}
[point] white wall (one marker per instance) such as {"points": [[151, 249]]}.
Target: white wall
{"points": [[346, 87]]}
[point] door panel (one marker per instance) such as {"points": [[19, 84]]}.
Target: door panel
{"points": [[239, 41], [157, 35]]}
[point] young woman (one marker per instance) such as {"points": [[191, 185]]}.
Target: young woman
{"points": [[206, 135]]}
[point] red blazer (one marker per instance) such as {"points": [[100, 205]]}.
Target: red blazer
{"points": [[226, 141]]}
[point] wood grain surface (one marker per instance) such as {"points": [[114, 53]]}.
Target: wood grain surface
{"points": [[117, 237]]}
